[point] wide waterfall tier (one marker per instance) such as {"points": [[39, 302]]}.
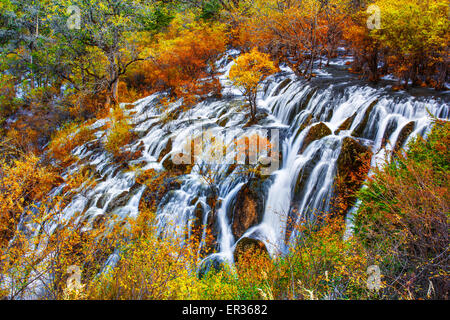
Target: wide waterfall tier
{"points": [[316, 125]]}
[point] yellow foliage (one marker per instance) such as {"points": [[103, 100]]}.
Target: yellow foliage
{"points": [[248, 71], [120, 133], [67, 139]]}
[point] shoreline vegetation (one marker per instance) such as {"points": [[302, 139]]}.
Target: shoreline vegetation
{"points": [[68, 81]]}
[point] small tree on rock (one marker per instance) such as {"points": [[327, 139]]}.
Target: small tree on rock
{"points": [[247, 73]]}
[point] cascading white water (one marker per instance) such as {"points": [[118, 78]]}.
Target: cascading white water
{"points": [[355, 100], [295, 109]]}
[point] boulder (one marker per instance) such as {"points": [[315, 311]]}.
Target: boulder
{"points": [[346, 124], [359, 130], [281, 86], [213, 263], [249, 208], [390, 128], [403, 135], [353, 165], [166, 150], [122, 199], [316, 132], [249, 246]]}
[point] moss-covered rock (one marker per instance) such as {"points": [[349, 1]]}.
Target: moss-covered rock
{"points": [[359, 130], [281, 86], [316, 132], [353, 165], [122, 199], [346, 124], [249, 246], [249, 208], [403, 135], [390, 128]]}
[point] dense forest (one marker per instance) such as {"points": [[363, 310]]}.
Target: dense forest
{"points": [[99, 97]]}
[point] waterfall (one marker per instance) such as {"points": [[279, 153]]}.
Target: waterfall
{"points": [[374, 116]]}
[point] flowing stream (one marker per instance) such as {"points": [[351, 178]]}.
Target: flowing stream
{"points": [[377, 117]]}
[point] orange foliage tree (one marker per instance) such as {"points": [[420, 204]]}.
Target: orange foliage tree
{"points": [[248, 71], [295, 32], [182, 61]]}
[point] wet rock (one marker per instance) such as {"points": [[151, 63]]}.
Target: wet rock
{"points": [[231, 168], [174, 168], [299, 191], [101, 202], [120, 167], [143, 133], [359, 130], [223, 122], [281, 86], [305, 124], [300, 105], [154, 195], [258, 117], [261, 116], [94, 146], [249, 246], [346, 125], [212, 263], [127, 155], [316, 132], [307, 99], [353, 165], [166, 150], [212, 223], [193, 201], [248, 208], [122, 199], [91, 202], [211, 243], [390, 128], [212, 195], [197, 221], [403, 135]]}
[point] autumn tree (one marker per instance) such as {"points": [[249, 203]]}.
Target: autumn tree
{"points": [[247, 73], [416, 36], [366, 50], [100, 48], [297, 33], [410, 43]]}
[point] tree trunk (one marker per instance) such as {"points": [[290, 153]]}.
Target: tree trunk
{"points": [[113, 82], [115, 92]]}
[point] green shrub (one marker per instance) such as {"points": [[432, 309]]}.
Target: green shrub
{"points": [[404, 216]]}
